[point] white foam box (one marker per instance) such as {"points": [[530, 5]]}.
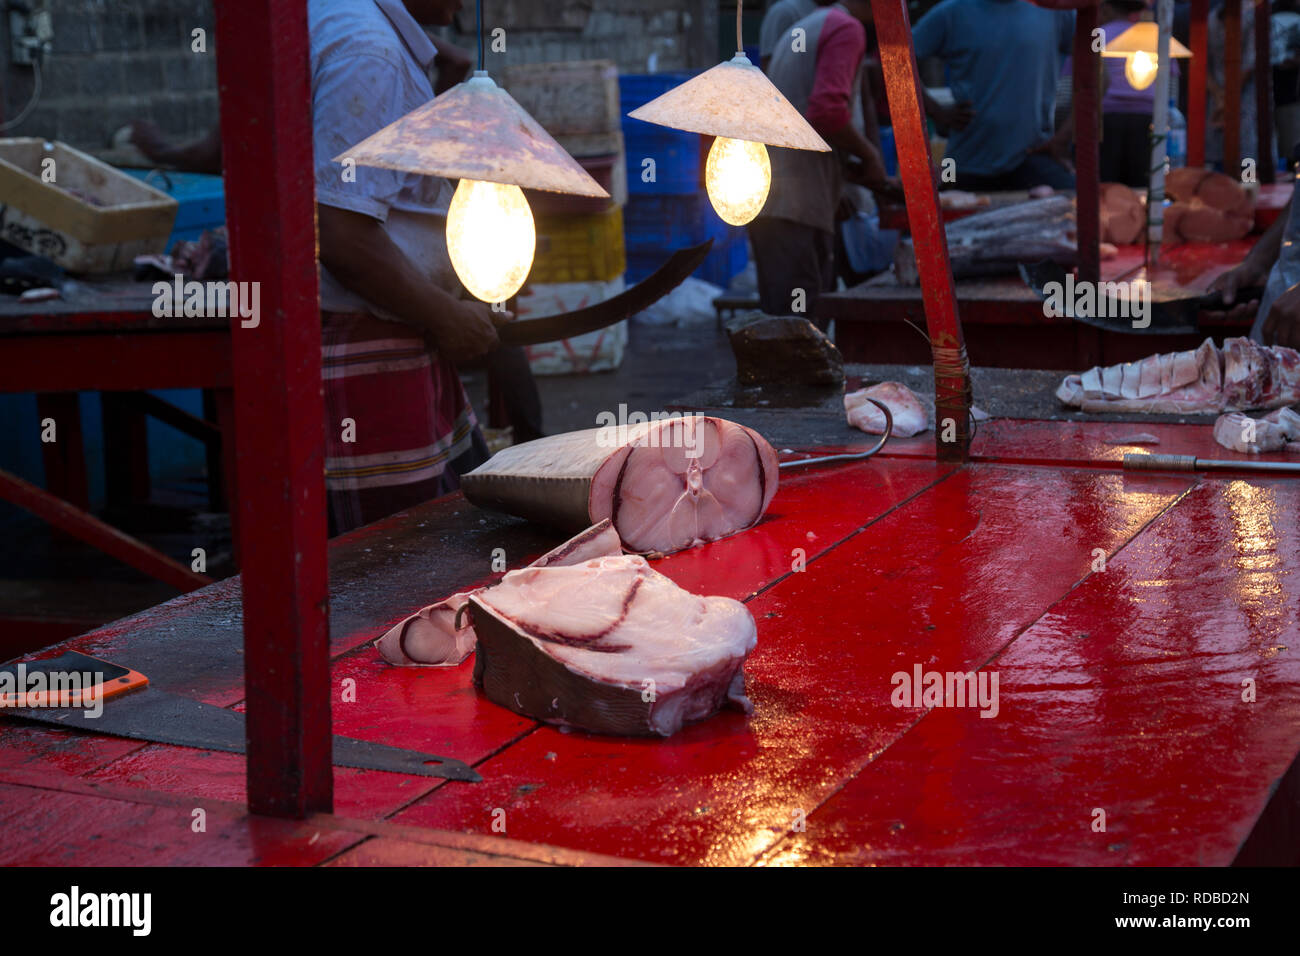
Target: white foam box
{"points": [[91, 218], [599, 351]]}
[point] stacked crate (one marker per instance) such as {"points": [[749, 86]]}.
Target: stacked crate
{"points": [[667, 207], [580, 256]]}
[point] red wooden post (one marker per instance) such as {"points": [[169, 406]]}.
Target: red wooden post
{"points": [[266, 133], [952, 392], [1200, 45], [1087, 163], [1232, 87], [1264, 95]]}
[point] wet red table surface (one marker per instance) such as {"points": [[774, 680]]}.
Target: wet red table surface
{"points": [[1142, 630]]}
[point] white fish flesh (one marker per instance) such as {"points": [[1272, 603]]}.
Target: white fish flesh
{"points": [[1274, 432], [665, 485], [610, 646], [430, 637], [910, 417], [1242, 375]]}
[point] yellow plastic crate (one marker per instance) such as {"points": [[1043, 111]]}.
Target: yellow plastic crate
{"points": [[579, 248]]}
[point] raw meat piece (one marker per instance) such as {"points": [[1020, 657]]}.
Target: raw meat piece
{"points": [[1243, 375], [430, 637], [666, 485], [909, 414], [1122, 214], [1241, 433], [1208, 207], [783, 350], [1181, 183], [610, 646]]}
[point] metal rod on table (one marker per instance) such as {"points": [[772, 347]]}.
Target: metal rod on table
{"points": [[1140, 462]]}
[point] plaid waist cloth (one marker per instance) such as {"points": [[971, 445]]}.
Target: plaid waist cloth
{"points": [[399, 428]]}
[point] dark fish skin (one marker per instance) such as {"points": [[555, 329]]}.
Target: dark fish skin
{"points": [[996, 241]]}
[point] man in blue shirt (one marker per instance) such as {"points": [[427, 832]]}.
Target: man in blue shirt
{"points": [[1003, 57]]}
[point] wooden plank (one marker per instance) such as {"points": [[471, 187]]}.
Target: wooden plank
{"points": [[1126, 697], [262, 71], [116, 362], [1232, 83], [950, 578], [65, 457]]}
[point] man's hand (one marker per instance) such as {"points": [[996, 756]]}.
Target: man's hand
{"points": [[468, 330], [1282, 327], [1248, 273]]}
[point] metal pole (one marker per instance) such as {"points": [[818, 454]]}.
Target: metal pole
{"points": [[266, 134], [1087, 162]]}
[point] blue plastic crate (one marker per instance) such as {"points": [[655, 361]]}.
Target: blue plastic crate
{"points": [[669, 222], [729, 255], [889, 150], [676, 153], [202, 200]]}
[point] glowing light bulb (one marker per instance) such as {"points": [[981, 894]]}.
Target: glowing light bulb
{"points": [[490, 238], [1140, 69], [737, 176]]}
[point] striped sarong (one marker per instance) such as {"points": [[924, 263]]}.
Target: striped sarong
{"points": [[399, 428]]}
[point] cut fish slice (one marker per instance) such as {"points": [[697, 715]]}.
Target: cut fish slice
{"points": [[665, 485], [610, 646]]}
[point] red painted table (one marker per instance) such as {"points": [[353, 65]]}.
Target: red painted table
{"points": [[106, 338], [1004, 322], [1120, 687]]}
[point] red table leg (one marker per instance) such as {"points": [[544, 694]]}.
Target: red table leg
{"points": [[1087, 117], [266, 132], [1264, 97], [65, 457], [1196, 83], [951, 368], [1232, 87]]}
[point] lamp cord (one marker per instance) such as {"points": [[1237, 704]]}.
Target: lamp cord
{"points": [[478, 16], [740, 46]]}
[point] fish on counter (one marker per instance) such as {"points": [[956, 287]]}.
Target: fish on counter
{"points": [[910, 416], [996, 241], [665, 485], [610, 646], [1277, 431], [431, 638], [1242, 375]]}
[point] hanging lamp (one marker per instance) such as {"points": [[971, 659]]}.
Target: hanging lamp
{"points": [[476, 133], [736, 103], [1137, 45]]}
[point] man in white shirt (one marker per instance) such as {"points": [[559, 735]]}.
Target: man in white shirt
{"points": [[399, 429]]}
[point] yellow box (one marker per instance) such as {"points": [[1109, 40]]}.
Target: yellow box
{"points": [[579, 248]]}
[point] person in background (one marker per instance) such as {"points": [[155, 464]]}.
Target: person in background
{"points": [[1216, 87], [777, 21], [1125, 148], [793, 236], [1284, 34], [1281, 325], [393, 317], [1003, 58]]}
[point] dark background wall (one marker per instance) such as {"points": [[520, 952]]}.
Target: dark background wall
{"points": [[114, 61], [118, 60]]}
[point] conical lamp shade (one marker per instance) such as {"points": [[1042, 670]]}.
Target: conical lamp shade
{"points": [[475, 130], [736, 100], [1142, 37]]}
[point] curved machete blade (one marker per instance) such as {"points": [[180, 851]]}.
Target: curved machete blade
{"points": [[624, 305]]}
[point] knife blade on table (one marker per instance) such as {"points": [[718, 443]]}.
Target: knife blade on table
{"points": [[143, 713]]}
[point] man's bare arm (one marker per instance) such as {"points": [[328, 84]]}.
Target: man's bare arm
{"points": [[358, 252]]}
